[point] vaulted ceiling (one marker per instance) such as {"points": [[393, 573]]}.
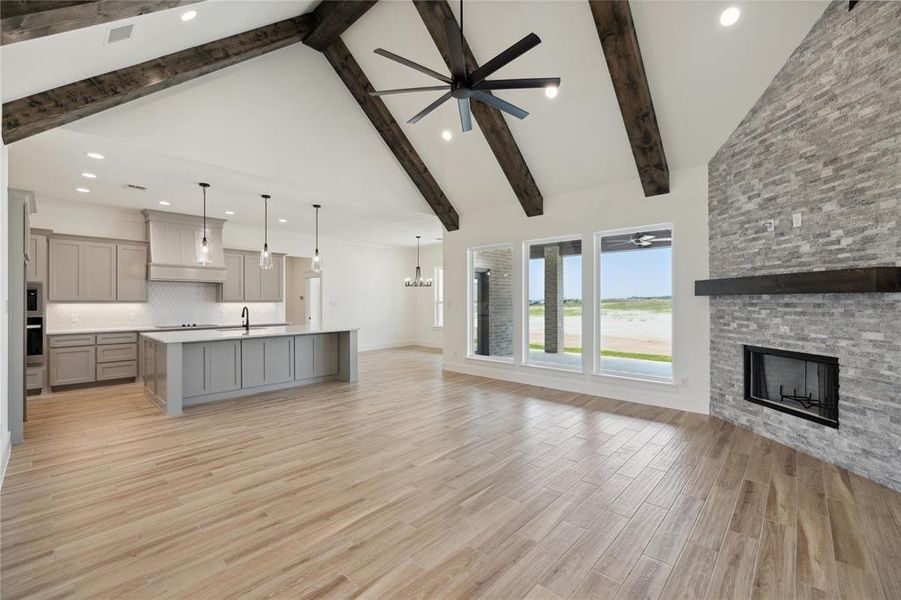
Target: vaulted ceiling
{"points": [[285, 124]]}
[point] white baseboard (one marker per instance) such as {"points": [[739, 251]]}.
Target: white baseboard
{"points": [[616, 388], [389, 345], [5, 451]]}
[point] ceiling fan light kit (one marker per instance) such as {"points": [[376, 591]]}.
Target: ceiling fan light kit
{"points": [[468, 87]]}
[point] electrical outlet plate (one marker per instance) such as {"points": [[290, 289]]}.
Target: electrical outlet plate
{"points": [[769, 225]]}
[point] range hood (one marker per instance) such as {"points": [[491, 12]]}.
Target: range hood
{"points": [[173, 241]]}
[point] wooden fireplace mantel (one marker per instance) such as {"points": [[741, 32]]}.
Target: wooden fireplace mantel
{"points": [[868, 280]]}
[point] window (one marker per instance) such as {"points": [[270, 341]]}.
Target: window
{"points": [[439, 297], [554, 323], [491, 302], [636, 303]]}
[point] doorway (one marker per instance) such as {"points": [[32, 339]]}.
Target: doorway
{"points": [[297, 270]]}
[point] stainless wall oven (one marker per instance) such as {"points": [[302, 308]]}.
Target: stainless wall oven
{"points": [[34, 324]]}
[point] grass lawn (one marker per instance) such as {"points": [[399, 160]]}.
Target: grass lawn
{"points": [[614, 354], [574, 309]]}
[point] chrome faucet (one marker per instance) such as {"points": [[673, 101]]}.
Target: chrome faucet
{"points": [[245, 318]]}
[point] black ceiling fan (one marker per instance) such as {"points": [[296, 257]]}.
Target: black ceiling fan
{"points": [[471, 86]]}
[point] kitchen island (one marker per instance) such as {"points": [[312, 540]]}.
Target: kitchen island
{"points": [[184, 368]]}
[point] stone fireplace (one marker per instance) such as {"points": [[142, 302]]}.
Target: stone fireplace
{"points": [[819, 155]]}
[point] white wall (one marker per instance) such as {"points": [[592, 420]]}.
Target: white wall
{"points": [[585, 213], [426, 334], [4, 312]]}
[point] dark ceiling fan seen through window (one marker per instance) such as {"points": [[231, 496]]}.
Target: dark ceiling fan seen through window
{"points": [[475, 86]]}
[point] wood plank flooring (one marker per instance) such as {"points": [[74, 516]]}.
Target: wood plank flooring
{"points": [[415, 483]]}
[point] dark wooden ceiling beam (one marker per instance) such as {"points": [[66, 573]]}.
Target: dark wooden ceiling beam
{"points": [[495, 129], [43, 111], [359, 86], [332, 18], [22, 20], [619, 41]]}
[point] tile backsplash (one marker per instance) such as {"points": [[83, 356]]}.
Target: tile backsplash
{"points": [[168, 304]]}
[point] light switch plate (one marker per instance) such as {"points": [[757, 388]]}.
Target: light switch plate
{"points": [[796, 220], [769, 225]]}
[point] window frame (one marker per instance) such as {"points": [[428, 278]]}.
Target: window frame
{"points": [[470, 252], [526, 252], [597, 277], [438, 298]]}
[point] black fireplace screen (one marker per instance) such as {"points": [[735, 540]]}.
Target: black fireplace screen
{"points": [[801, 384]]}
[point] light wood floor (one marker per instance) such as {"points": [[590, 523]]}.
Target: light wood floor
{"points": [[416, 484]]}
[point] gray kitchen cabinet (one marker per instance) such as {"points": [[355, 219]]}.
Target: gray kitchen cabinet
{"points": [[117, 370], [72, 365], [148, 368], [315, 355], [267, 361], [211, 367], [98, 271], [233, 286], [36, 270], [117, 353], [271, 281], [131, 273], [253, 277], [66, 257]]}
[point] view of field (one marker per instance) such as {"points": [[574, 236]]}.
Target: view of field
{"points": [[639, 328]]}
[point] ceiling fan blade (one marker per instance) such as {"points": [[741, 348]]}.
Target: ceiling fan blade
{"points": [[517, 84], [465, 114], [431, 88], [644, 237], [413, 65], [508, 55], [455, 48], [430, 108], [499, 104], [662, 240]]}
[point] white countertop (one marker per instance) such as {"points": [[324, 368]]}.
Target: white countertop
{"points": [[143, 328], [210, 335]]}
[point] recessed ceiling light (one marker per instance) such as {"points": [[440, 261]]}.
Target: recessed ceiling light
{"points": [[283, 220], [94, 155], [446, 135], [165, 203], [89, 175], [551, 91], [188, 15], [229, 212], [82, 190], [729, 17]]}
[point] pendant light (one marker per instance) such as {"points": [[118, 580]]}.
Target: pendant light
{"points": [[265, 255], [417, 281], [203, 250], [317, 262]]}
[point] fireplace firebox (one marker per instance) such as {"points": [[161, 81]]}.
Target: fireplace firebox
{"points": [[805, 385]]}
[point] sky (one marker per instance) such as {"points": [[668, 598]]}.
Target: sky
{"points": [[623, 274]]}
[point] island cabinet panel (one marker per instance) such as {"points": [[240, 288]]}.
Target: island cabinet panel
{"points": [[315, 355], [267, 361], [211, 367], [149, 367], [233, 286], [72, 365]]}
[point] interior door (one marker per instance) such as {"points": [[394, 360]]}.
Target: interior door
{"points": [[313, 304]]}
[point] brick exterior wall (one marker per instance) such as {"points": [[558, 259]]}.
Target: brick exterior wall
{"points": [[500, 297], [553, 300], [823, 140]]}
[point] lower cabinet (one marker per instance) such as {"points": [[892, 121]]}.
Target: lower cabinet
{"points": [[211, 367], [315, 355], [72, 365], [267, 361]]}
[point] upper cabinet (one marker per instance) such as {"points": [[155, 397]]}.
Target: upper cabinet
{"points": [[36, 270], [96, 270], [246, 282]]}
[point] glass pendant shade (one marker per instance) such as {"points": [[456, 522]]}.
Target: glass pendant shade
{"points": [[203, 249], [265, 258], [316, 263], [265, 254]]}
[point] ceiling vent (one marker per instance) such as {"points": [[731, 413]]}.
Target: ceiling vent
{"points": [[132, 186], [118, 34]]}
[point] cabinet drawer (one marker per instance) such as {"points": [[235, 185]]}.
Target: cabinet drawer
{"points": [[117, 370], [34, 378], [128, 337], [117, 353], [68, 341]]}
